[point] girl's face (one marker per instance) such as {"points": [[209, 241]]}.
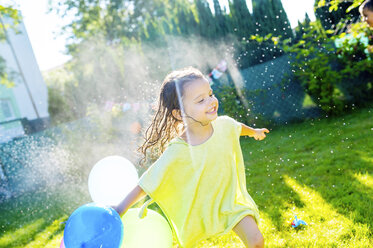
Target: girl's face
{"points": [[368, 17], [199, 102]]}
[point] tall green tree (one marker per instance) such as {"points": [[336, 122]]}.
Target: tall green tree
{"points": [[221, 19], [115, 20], [270, 17], [206, 22], [149, 12], [281, 19], [241, 20], [270, 20], [185, 18], [154, 30], [300, 30]]}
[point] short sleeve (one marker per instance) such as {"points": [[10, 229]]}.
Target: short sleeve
{"points": [[161, 178], [153, 177], [230, 125]]}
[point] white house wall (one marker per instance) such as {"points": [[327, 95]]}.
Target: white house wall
{"points": [[27, 66], [23, 100]]}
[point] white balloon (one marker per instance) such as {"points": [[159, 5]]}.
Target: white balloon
{"points": [[111, 179]]}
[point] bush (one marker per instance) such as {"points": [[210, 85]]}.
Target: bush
{"points": [[335, 71], [356, 64], [313, 67]]}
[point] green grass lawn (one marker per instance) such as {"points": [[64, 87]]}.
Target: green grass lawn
{"points": [[320, 170]]}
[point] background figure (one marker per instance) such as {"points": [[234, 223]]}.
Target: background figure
{"points": [[366, 11]]}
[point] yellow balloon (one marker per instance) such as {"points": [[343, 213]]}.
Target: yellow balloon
{"points": [[151, 231]]}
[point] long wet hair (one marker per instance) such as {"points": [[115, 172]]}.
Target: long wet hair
{"points": [[164, 126]]}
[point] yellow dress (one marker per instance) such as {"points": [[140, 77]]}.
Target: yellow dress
{"points": [[202, 189]]}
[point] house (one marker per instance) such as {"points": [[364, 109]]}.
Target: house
{"points": [[23, 107]]}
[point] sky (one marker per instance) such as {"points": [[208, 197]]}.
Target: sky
{"points": [[48, 43]]}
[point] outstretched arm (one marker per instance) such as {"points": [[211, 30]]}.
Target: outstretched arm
{"points": [[133, 197], [256, 133]]}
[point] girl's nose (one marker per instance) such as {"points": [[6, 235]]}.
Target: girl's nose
{"points": [[212, 99]]}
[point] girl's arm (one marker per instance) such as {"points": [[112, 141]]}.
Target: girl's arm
{"points": [[133, 197], [257, 133]]}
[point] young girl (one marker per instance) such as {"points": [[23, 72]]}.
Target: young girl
{"points": [[199, 179]]}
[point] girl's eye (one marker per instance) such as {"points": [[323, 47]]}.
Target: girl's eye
{"points": [[211, 95]]}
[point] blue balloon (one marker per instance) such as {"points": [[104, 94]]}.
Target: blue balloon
{"points": [[93, 226]]}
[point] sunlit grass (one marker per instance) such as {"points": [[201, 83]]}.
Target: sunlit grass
{"points": [[326, 227], [307, 102], [319, 170], [365, 180], [37, 219], [49, 234], [21, 234]]}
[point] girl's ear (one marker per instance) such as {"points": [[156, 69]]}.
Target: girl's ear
{"points": [[176, 114]]}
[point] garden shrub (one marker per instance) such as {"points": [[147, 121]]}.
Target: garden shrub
{"points": [[335, 71], [355, 59], [313, 66]]}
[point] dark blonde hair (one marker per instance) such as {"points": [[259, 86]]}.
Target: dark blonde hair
{"points": [[164, 125]]}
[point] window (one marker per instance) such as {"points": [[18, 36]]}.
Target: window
{"points": [[6, 109]]}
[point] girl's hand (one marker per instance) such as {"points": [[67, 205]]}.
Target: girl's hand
{"points": [[260, 133]]}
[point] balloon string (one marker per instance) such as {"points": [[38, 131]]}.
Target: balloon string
{"points": [[144, 210]]}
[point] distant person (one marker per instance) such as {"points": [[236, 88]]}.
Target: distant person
{"points": [[366, 11], [199, 179]]}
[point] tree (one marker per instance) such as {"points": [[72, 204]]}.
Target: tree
{"points": [[185, 19], [300, 30], [221, 20], [270, 20], [112, 19], [154, 31], [281, 19], [241, 19], [6, 76], [270, 17], [206, 22]]}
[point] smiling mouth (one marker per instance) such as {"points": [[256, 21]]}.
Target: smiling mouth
{"points": [[213, 110]]}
